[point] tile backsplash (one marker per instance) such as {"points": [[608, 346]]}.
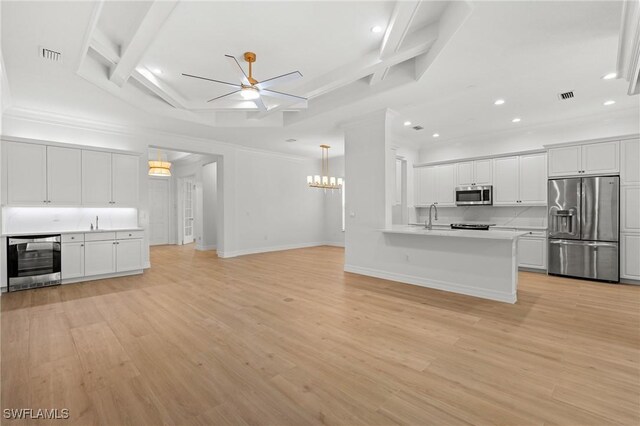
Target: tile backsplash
{"points": [[52, 219], [501, 216]]}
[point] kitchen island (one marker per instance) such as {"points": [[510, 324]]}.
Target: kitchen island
{"points": [[477, 263]]}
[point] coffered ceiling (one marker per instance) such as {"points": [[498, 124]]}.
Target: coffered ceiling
{"points": [[438, 64]]}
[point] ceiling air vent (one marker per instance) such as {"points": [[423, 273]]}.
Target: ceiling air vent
{"points": [[290, 140], [565, 95], [417, 127], [50, 55]]}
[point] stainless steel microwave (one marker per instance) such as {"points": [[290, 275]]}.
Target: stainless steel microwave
{"points": [[474, 195]]}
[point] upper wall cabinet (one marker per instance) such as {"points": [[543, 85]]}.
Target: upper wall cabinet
{"points": [[593, 158], [109, 179], [39, 175], [520, 180], [630, 162], [478, 172], [435, 185], [26, 174]]}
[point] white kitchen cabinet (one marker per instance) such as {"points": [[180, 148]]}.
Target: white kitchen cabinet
{"points": [[128, 255], [26, 174], [593, 158], [630, 256], [64, 176], [630, 162], [630, 208], [99, 257], [445, 185], [532, 251], [532, 179], [520, 180], [96, 178], [425, 185], [505, 185], [478, 172], [124, 172], [72, 259]]}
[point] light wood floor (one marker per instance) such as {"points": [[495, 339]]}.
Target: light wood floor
{"points": [[288, 338]]}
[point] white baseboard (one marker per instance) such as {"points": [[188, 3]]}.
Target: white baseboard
{"points": [[435, 284], [101, 277], [243, 252], [205, 248]]}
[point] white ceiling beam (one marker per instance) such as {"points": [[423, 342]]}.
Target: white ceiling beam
{"points": [[144, 35], [5, 93], [105, 47], [451, 21], [397, 30], [159, 87], [92, 25], [628, 63]]}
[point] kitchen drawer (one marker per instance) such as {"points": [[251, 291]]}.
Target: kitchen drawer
{"points": [[100, 236], [73, 238], [538, 234], [127, 235]]}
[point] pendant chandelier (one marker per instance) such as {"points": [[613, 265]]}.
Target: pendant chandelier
{"points": [[159, 167], [324, 181]]}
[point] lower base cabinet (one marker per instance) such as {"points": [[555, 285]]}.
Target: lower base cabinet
{"points": [[72, 259], [128, 255], [630, 256], [532, 251], [99, 257]]}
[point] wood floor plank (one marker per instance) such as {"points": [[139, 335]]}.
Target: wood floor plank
{"points": [[288, 338]]}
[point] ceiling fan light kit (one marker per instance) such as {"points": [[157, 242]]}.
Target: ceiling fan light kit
{"points": [[251, 89]]}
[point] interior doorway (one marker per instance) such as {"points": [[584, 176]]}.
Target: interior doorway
{"points": [[188, 188]]}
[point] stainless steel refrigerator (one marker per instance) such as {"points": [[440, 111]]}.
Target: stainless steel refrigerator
{"points": [[584, 227]]}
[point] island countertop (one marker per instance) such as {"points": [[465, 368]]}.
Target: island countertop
{"points": [[452, 233]]}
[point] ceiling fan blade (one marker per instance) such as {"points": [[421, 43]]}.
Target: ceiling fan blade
{"points": [[281, 95], [231, 93], [236, 66], [260, 104], [281, 79], [237, 86]]}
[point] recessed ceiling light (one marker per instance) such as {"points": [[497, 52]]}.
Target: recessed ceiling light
{"points": [[407, 123], [156, 71], [376, 29], [436, 135], [516, 120], [610, 76], [499, 102], [609, 102]]}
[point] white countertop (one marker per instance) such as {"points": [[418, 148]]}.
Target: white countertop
{"points": [[526, 227], [452, 233], [75, 231]]}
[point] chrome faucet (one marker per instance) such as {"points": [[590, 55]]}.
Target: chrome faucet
{"points": [[429, 225], [97, 219]]}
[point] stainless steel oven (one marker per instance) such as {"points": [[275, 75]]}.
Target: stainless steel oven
{"points": [[474, 195], [33, 261]]}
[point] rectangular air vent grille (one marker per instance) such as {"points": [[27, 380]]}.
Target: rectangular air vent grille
{"points": [[565, 95], [50, 55], [418, 127]]}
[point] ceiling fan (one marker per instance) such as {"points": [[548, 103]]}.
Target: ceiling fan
{"points": [[251, 89]]}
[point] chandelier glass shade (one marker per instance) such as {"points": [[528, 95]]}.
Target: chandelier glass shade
{"points": [[159, 167], [324, 181]]}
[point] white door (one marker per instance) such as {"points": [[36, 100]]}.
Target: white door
{"points": [[128, 255], [72, 260], [533, 179], [96, 178], [505, 183], [64, 176], [125, 169], [99, 257], [565, 161], [483, 172], [188, 189], [446, 185], [465, 173], [601, 158], [26, 174], [630, 159], [158, 211]]}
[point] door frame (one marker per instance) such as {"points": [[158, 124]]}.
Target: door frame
{"points": [[180, 207]]}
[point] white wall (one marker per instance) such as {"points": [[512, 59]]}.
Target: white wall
{"points": [[525, 138], [333, 233], [209, 206]]}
